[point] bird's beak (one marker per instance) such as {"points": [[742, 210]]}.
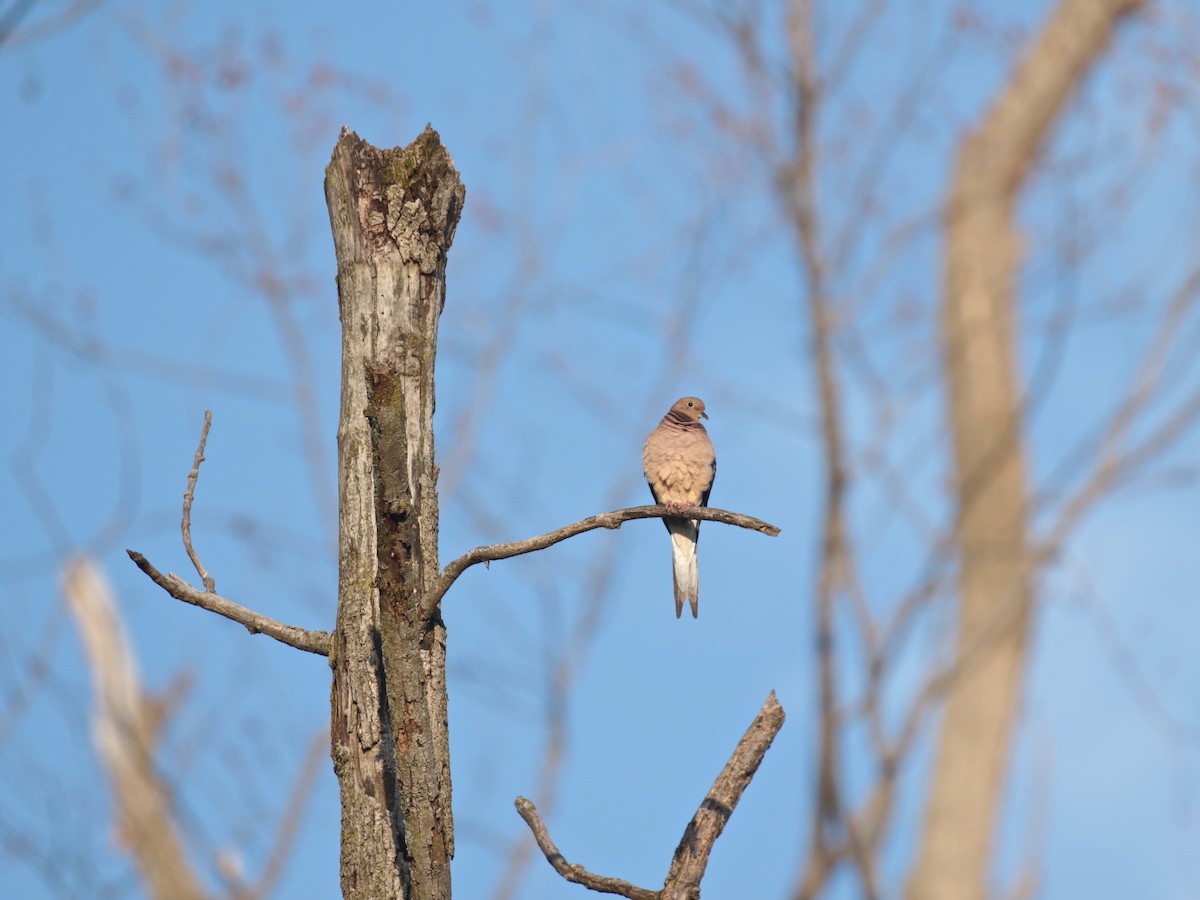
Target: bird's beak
{"points": [[704, 415]]}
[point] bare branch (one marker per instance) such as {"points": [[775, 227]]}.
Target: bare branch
{"points": [[292, 635], [691, 857], [614, 519], [188, 496], [574, 872]]}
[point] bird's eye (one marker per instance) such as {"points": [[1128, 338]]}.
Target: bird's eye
{"points": [[691, 404]]}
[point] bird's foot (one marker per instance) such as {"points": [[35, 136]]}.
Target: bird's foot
{"points": [[676, 507]]}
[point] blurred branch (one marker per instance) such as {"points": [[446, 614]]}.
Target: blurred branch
{"points": [[614, 519], [34, 670], [77, 339], [51, 24], [124, 725], [691, 856], [1111, 457], [831, 837], [563, 669], [293, 815], [849, 48], [12, 18]]}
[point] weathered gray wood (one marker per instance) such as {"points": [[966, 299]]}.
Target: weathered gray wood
{"points": [[393, 214]]}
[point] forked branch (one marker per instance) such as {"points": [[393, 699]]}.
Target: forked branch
{"points": [[255, 623], [691, 856]]}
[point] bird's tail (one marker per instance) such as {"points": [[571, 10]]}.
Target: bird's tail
{"points": [[683, 557]]}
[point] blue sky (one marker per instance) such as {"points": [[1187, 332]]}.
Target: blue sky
{"points": [[164, 226]]}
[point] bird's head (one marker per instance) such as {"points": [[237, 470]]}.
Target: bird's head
{"points": [[691, 408]]}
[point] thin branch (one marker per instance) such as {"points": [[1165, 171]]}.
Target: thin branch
{"points": [[34, 671], [188, 497], [81, 342], [849, 48], [691, 857], [1113, 463], [12, 18], [293, 816], [614, 519], [292, 635], [574, 872], [14, 37]]}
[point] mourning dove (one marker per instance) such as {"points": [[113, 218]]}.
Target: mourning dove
{"points": [[680, 466]]}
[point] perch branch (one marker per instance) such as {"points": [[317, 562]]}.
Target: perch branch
{"points": [[300, 638], [186, 527], [614, 519], [691, 856]]}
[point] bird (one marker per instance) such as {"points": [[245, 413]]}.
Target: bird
{"points": [[680, 465]]}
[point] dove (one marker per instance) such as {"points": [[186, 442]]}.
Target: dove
{"points": [[680, 466]]}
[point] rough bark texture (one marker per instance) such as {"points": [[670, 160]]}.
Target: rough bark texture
{"points": [[393, 214], [980, 346]]}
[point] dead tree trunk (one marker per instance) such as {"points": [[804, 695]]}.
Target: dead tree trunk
{"points": [[995, 579], [393, 214]]}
